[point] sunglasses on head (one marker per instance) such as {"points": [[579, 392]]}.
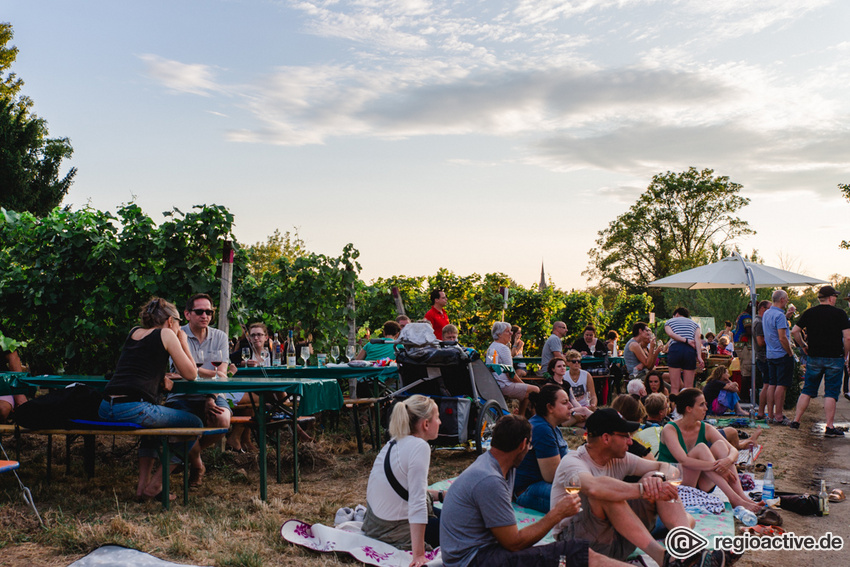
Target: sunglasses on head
{"points": [[199, 312]]}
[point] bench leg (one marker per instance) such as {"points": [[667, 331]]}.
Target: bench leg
{"points": [[355, 416], [295, 471], [88, 454], [187, 445], [165, 462], [261, 434]]}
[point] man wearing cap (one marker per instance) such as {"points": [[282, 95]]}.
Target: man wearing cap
{"points": [[478, 526], [826, 345], [617, 516]]}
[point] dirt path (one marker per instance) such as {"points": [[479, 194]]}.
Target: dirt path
{"points": [[802, 458]]}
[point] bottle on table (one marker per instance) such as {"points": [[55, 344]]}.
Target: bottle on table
{"points": [[290, 352], [823, 500], [768, 491], [275, 351]]}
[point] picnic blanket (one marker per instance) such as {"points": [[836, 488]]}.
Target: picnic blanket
{"points": [[117, 556]]}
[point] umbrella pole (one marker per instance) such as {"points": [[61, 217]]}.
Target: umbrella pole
{"points": [[754, 308]]}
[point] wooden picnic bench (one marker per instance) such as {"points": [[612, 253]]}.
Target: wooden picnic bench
{"points": [[187, 434]]}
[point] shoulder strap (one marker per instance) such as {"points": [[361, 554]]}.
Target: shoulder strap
{"points": [[399, 489]]}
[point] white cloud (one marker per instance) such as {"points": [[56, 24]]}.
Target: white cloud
{"points": [[192, 78]]}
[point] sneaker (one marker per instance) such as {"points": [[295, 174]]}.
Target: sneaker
{"points": [[783, 421], [360, 513], [846, 396], [343, 515], [794, 425], [833, 432]]}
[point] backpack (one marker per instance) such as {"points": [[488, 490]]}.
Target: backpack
{"points": [[56, 409]]}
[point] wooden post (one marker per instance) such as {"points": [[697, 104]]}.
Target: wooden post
{"points": [[399, 303], [226, 287], [352, 326]]}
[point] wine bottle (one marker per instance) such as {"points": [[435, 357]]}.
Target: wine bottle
{"points": [[290, 352], [275, 351]]}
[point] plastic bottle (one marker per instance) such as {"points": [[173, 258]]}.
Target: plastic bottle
{"points": [[752, 420], [562, 562], [290, 352], [768, 492], [823, 500], [745, 516], [276, 351]]}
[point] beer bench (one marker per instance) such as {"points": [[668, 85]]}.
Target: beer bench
{"points": [[187, 434]]}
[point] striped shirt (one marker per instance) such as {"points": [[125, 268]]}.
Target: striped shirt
{"points": [[683, 327]]}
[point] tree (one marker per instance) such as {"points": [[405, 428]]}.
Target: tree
{"points": [[263, 257], [29, 160], [671, 227]]}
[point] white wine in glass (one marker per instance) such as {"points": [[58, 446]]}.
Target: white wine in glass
{"points": [[574, 485]]}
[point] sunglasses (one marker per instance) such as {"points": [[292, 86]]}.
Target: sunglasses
{"points": [[199, 312]]}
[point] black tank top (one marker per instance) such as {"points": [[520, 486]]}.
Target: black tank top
{"points": [[140, 369]]}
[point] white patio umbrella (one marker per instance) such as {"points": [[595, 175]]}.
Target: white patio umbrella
{"points": [[735, 272]]}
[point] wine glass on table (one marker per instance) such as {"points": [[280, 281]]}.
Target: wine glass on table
{"points": [[334, 353], [350, 352], [246, 355], [305, 355], [217, 359]]}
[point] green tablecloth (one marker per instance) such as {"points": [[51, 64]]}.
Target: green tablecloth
{"points": [[316, 394], [10, 384], [336, 372]]}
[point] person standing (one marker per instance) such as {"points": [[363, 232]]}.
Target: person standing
{"points": [[552, 345], [826, 344], [437, 314], [760, 347], [780, 357], [685, 353]]}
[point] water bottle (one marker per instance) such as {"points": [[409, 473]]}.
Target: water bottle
{"points": [[768, 492], [752, 421], [290, 352], [276, 351], [562, 562], [745, 516]]}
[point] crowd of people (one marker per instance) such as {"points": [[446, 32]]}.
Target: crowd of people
{"points": [[602, 501]]}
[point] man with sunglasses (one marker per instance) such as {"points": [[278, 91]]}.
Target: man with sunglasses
{"points": [[212, 409], [616, 516]]}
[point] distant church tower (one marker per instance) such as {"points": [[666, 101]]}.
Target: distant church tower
{"points": [[542, 285]]}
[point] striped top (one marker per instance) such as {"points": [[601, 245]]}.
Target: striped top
{"points": [[683, 327]]}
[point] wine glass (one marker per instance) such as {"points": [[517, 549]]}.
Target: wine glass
{"points": [[334, 353], [218, 357], [246, 355], [305, 355], [199, 358], [574, 486], [350, 352], [674, 477]]}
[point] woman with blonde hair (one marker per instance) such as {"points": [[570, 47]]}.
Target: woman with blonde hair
{"points": [[398, 502], [131, 394]]}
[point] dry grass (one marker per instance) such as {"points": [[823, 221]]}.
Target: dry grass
{"points": [[225, 523]]}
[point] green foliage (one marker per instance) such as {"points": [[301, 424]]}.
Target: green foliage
{"points": [[8, 344], [845, 190], [72, 283], [10, 84], [264, 256], [582, 308], [671, 227], [628, 310]]}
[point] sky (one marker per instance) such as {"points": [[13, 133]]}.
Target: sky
{"points": [[479, 136]]}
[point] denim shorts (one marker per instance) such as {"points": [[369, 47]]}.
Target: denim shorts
{"points": [[830, 370], [150, 415], [682, 356], [575, 552], [536, 496], [780, 371]]}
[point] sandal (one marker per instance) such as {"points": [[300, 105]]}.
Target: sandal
{"points": [[770, 518], [760, 467], [837, 495]]}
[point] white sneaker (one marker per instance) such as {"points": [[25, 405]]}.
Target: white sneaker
{"points": [[343, 515], [359, 513]]}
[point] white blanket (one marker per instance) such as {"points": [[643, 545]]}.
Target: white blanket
{"points": [[365, 549]]}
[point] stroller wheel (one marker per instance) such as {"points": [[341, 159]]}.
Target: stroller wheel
{"points": [[488, 417]]}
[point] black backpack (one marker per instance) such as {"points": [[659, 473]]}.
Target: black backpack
{"points": [[56, 409]]}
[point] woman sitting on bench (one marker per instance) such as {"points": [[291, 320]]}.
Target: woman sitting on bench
{"points": [[132, 392]]}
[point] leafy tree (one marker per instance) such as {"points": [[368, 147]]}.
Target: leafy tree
{"points": [[671, 227], [29, 160], [263, 256], [582, 308]]}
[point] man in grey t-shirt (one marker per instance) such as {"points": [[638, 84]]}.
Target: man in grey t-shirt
{"points": [[552, 345], [478, 526]]}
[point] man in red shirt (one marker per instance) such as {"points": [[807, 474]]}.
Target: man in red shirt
{"points": [[437, 315]]}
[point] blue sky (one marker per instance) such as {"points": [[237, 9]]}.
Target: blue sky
{"points": [[479, 136]]}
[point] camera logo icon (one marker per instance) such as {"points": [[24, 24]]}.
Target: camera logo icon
{"points": [[683, 542]]}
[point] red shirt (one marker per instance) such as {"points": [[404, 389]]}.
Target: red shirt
{"points": [[438, 321]]}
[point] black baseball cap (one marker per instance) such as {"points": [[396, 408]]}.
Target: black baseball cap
{"points": [[609, 420], [827, 291]]}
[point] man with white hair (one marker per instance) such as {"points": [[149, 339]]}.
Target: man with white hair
{"points": [[499, 352], [780, 357], [552, 345]]}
